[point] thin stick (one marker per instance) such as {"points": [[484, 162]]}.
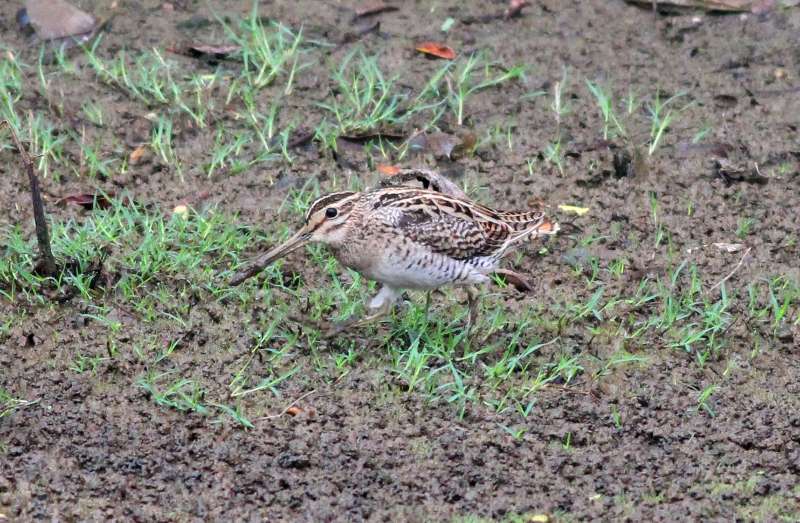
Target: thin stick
{"points": [[289, 406], [48, 267], [738, 266]]}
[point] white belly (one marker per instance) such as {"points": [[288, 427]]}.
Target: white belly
{"points": [[423, 270]]}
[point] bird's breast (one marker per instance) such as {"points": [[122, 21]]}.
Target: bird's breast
{"points": [[408, 265]]}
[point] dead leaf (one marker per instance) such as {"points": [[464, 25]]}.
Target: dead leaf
{"points": [[725, 101], [55, 19], [215, 51], [731, 6], [137, 154], [515, 8], [467, 145], [572, 209], [515, 279], [364, 135], [387, 170], [441, 144], [444, 145], [294, 411], [436, 49], [88, 201], [728, 247], [547, 227], [362, 29], [374, 8]]}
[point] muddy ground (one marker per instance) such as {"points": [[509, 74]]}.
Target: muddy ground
{"points": [[94, 446]]}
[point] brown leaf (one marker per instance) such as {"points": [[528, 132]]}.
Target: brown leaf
{"points": [[361, 30], [736, 6], [387, 170], [515, 8], [444, 145], [374, 8], [365, 135], [466, 146], [515, 279], [89, 202], [137, 154], [216, 51], [54, 19], [436, 49]]}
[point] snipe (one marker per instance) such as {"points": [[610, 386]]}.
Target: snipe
{"points": [[411, 238]]}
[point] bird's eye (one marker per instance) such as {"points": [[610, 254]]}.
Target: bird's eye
{"points": [[331, 212]]}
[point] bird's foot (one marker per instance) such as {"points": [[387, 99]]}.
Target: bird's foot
{"points": [[356, 322]]}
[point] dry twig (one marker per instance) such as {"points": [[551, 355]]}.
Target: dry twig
{"points": [[738, 266], [289, 406], [48, 263]]}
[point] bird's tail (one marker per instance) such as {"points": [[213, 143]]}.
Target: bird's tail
{"points": [[542, 226], [547, 226]]}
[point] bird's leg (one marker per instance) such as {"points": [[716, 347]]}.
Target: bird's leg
{"points": [[472, 302], [380, 305], [427, 303]]}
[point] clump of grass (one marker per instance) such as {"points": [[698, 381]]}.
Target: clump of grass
{"points": [[554, 152], [661, 116], [9, 403], [471, 76], [46, 144], [155, 81], [268, 52], [605, 102], [617, 117], [365, 101], [181, 394], [161, 142], [149, 249]]}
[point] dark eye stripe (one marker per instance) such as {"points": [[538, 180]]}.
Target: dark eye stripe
{"points": [[324, 201]]}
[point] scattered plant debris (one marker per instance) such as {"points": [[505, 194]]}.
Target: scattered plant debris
{"points": [[56, 20], [731, 6], [572, 209], [47, 263], [89, 201], [436, 50], [374, 8]]}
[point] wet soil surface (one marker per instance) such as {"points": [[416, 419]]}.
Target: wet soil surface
{"points": [[631, 446]]}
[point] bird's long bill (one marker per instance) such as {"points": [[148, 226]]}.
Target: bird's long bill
{"points": [[299, 239]]}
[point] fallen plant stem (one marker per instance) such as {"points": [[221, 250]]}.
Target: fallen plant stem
{"points": [[738, 266], [570, 390], [289, 406], [16, 405], [48, 263]]}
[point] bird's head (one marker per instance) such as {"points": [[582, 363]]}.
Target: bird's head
{"points": [[325, 222]]}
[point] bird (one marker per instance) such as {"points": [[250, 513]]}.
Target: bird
{"points": [[407, 237]]}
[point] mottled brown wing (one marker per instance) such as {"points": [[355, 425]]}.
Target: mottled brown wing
{"points": [[424, 179], [445, 225]]}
